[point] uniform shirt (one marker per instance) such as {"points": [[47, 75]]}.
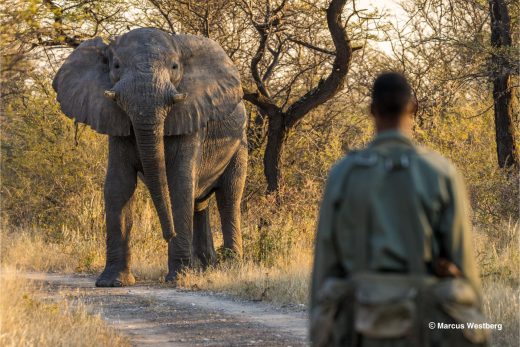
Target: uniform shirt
{"points": [[405, 199]]}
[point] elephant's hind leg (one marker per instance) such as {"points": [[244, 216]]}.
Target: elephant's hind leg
{"points": [[120, 185], [203, 248], [229, 196]]}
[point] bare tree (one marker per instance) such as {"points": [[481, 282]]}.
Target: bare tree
{"points": [[283, 115], [451, 49], [442, 49]]}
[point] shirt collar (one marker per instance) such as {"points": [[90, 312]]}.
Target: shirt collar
{"points": [[392, 135]]}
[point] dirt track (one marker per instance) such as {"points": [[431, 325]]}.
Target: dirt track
{"points": [[153, 315]]}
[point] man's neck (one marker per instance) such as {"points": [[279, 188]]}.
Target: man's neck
{"points": [[402, 125]]}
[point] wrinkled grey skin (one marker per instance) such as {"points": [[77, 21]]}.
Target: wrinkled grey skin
{"points": [[178, 126]]}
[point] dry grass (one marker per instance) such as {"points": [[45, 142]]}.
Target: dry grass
{"points": [[28, 320], [284, 278], [286, 282], [502, 305], [289, 284], [75, 252]]}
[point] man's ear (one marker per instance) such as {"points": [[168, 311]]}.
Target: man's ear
{"points": [[415, 105], [372, 109], [411, 109]]}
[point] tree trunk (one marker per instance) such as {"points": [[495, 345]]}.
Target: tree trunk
{"points": [[277, 133], [505, 131], [504, 122]]}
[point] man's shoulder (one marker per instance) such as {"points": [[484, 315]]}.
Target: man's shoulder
{"points": [[340, 167], [435, 161], [361, 157], [367, 157]]}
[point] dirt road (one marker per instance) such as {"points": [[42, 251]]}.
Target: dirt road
{"points": [[151, 315]]}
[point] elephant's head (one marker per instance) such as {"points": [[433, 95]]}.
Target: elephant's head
{"points": [[158, 84]]}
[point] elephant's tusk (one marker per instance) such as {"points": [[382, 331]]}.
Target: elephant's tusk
{"points": [[179, 97], [111, 94]]}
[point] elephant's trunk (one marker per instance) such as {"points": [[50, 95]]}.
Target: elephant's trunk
{"points": [[150, 141], [147, 100]]}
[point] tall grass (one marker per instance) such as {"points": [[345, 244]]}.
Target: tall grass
{"points": [[72, 250], [29, 320]]}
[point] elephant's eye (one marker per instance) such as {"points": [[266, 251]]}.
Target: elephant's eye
{"points": [[116, 65], [175, 66]]}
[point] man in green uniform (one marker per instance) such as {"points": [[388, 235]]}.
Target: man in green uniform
{"points": [[394, 263]]}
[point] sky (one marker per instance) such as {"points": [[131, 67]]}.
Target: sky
{"points": [[392, 6], [395, 15]]}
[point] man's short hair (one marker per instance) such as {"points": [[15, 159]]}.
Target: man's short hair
{"points": [[391, 95]]}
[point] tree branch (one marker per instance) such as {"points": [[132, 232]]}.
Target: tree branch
{"points": [[164, 14], [259, 100], [334, 82], [319, 49], [311, 46], [276, 57], [255, 61], [63, 38]]}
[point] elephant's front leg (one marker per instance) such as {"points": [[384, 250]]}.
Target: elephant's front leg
{"points": [[120, 185], [181, 181], [229, 197], [180, 246]]}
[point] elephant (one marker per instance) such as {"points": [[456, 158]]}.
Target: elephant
{"points": [[172, 108]]}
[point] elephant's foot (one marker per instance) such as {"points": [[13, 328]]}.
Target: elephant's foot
{"points": [[228, 254], [171, 277], [114, 278], [205, 260], [175, 267]]}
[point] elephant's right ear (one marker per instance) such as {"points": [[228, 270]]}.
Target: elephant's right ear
{"points": [[80, 84]]}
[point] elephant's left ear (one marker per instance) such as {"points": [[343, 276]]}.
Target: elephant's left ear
{"points": [[211, 82]]}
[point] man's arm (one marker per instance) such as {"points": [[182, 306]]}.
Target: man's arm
{"points": [[326, 260], [455, 231]]}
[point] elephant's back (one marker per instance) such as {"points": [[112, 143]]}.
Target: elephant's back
{"points": [[222, 139]]}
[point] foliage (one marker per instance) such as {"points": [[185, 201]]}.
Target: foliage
{"points": [[44, 172]]}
